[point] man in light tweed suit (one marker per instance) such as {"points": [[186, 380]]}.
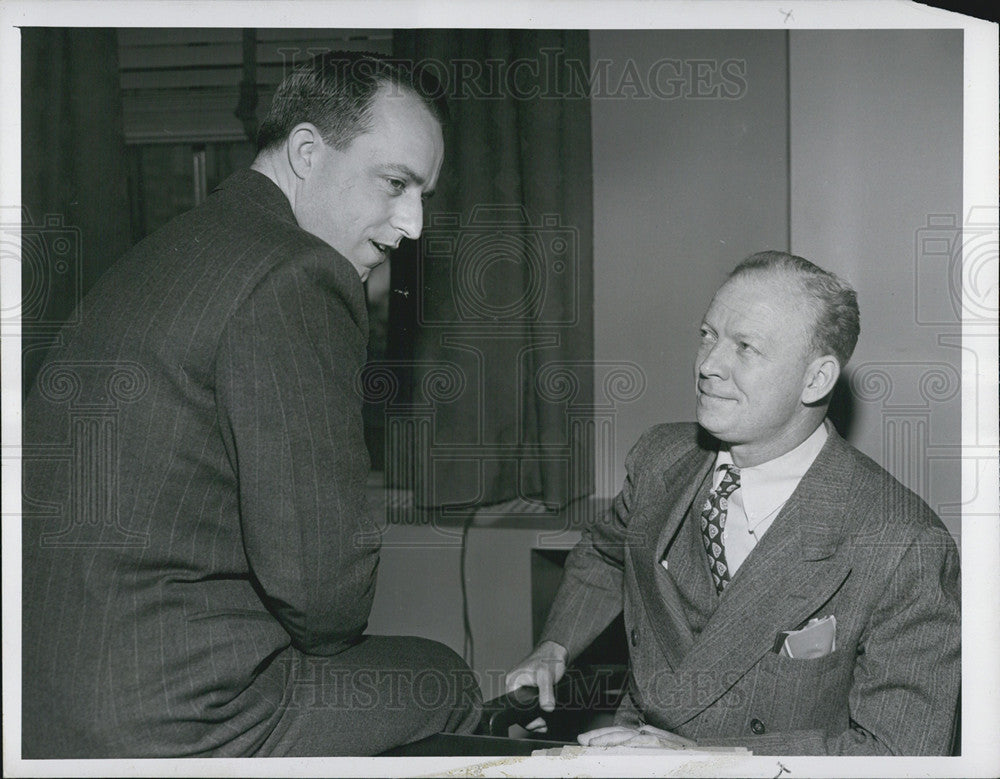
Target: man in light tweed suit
{"points": [[781, 591], [199, 559]]}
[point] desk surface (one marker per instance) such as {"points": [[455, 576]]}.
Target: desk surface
{"points": [[444, 744]]}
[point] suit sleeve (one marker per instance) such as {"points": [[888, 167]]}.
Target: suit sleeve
{"points": [[591, 593], [291, 419], [904, 695]]}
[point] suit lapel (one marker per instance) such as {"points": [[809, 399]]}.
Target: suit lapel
{"points": [[689, 572], [688, 476], [798, 565], [657, 527]]}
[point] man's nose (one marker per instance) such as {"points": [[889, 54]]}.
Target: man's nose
{"points": [[712, 361], [408, 217]]}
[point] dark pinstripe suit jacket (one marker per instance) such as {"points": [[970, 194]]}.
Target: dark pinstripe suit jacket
{"points": [[194, 487], [851, 542]]}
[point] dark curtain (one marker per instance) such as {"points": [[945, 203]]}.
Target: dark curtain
{"points": [[75, 217], [491, 321]]}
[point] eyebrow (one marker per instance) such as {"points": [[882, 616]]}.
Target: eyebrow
{"points": [[756, 340], [407, 172]]}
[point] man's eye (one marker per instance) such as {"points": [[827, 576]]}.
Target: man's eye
{"points": [[706, 335], [743, 346], [397, 184]]}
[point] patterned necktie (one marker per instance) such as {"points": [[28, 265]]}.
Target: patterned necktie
{"points": [[713, 522]]}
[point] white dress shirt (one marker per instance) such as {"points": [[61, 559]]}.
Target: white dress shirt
{"points": [[764, 489]]}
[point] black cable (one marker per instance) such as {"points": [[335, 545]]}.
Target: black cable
{"points": [[468, 643]]}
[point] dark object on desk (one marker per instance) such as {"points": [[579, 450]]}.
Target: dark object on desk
{"points": [[586, 698], [445, 744]]}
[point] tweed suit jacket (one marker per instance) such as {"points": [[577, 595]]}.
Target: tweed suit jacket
{"points": [[194, 488], [851, 541]]}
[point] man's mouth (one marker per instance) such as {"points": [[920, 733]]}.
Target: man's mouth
{"points": [[382, 248], [711, 396]]}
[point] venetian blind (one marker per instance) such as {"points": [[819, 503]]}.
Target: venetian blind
{"points": [[183, 84]]}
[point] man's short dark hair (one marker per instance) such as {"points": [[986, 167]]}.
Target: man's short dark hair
{"points": [[335, 92], [837, 321]]}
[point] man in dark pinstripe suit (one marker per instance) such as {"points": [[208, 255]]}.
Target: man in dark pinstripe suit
{"points": [[199, 562]]}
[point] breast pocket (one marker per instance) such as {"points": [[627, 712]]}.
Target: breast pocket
{"points": [[795, 694]]}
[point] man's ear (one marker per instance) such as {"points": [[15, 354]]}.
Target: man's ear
{"points": [[820, 378], [304, 143]]}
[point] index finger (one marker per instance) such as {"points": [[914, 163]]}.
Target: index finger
{"points": [[546, 694]]}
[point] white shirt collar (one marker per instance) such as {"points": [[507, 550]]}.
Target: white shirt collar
{"points": [[767, 486]]}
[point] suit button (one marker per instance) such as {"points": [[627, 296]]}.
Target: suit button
{"points": [[635, 638], [757, 726]]}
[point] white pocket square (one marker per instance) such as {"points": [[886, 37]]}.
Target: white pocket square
{"points": [[817, 639]]}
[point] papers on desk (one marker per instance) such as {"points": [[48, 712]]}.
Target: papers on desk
{"points": [[572, 750]]}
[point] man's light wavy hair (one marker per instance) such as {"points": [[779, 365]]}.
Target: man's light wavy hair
{"points": [[837, 322]]}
